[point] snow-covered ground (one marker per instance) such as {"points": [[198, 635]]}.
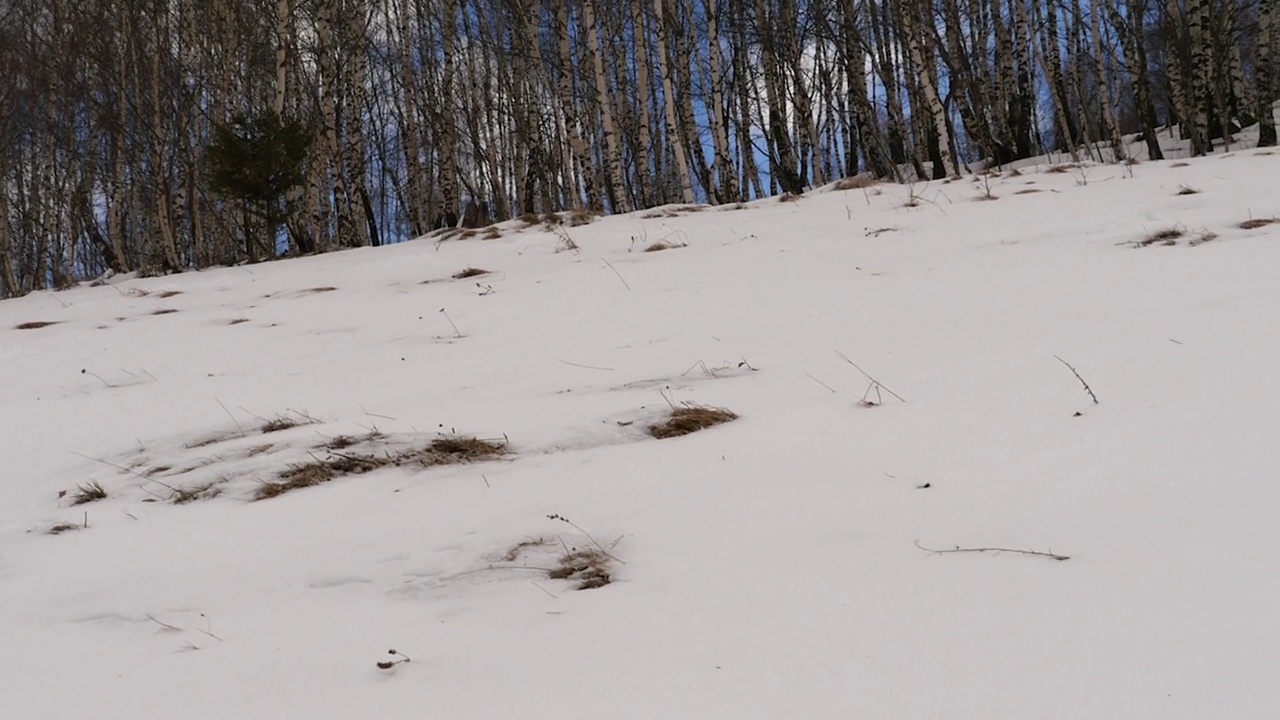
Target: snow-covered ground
{"points": [[763, 568]]}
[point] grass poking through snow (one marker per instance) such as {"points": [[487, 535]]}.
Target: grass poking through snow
{"points": [[444, 450], [690, 419]]}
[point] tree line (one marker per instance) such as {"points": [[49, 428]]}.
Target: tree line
{"points": [[163, 135]]}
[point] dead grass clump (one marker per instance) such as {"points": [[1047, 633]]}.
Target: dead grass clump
{"points": [[87, 493], [1187, 190], [257, 450], [164, 311], [1028, 191], [35, 325], [277, 424], [1167, 236], [529, 219], [1256, 223], [491, 233], [464, 448], [202, 491], [296, 477], [444, 450], [1067, 167], [857, 182], [237, 321], [663, 245], [168, 293], [579, 217], [788, 198], [689, 419], [61, 528], [317, 290], [588, 567], [1205, 236], [469, 273]]}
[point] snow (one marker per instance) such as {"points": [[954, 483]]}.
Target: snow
{"points": [[764, 568]]}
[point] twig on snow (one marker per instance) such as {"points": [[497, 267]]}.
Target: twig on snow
{"points": [[875, 384], [996, 550], [1082, 382], [615, 272]]}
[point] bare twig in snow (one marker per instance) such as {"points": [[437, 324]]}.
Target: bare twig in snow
{"points": [[996, 550], [615, 272], [1082, 382]]}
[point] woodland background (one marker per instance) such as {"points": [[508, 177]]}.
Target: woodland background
{"points": [[367, 122]]}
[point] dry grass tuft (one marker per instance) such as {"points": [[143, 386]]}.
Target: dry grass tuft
{"points": [[463, 448], [202, 491], [237, 321], [277, 424], [87, 493], [663, 245], [789, 197], [1205, 236], [1180, 164], [35, 325], [295, 478], [529, 219], [317, 290], [1067, 167], [588, 567], [491, 233], [1028, 191], [444, 450], [164, 311], [579, 217], [1187, 190], [61, 528], [470, 273], [857, 182], [168, 293], [689, 419], [1256, 223], [1167, 236]]}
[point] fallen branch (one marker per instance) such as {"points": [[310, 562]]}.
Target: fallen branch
{"points": [[996, 550], [1082, 382]]}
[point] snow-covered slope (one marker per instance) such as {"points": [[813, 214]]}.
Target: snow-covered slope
{"points": [[763, 568]]}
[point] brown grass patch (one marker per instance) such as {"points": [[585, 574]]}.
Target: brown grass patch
{"points": [[1180, 164], [444, 450], [1064, 168], [579, 217], [857, 182], [257, 450], [663, 245], [61, 528], [317, 290], [1187, 190], [1256, 223], [164, 311], [491, 233], [277, 424], [689, 419], [1028, 191], [469, 273], [789, 198], [201, 491], [35, 325], [237, 321], [588, 567], [1167, 236], [87, 493], [168, 293]]}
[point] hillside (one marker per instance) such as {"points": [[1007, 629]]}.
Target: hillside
{"points": [[774, 566]]}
